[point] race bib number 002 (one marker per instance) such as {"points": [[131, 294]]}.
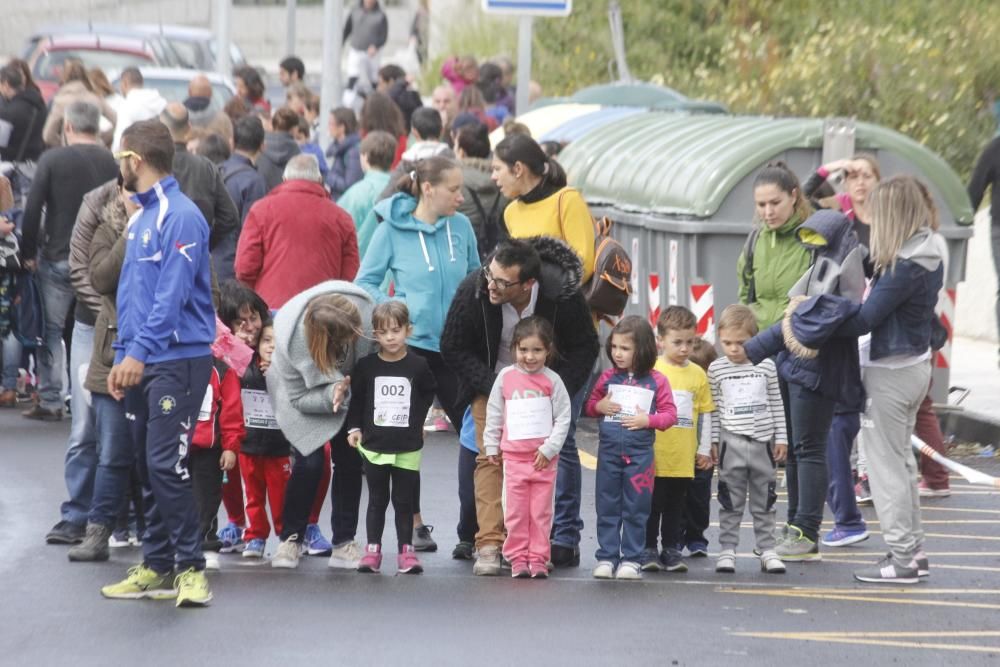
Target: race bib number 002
{"points": [[392, 402]]}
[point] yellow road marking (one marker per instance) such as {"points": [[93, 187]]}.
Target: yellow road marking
{"points": [[881, 639], [866, 596], [850, 552], [932, 508], [937, 566], [883, 590], [588, 461]]}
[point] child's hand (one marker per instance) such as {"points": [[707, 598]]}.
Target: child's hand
{"points": [[228, 460], [715, 454], [638, 421], [493, 460], [780, 451], [264, 365], [703, 462], [541, 462], [354, 438], [607, 407]]}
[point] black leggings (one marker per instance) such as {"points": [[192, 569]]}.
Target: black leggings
{"points": [[402, 483], [667, 513]]}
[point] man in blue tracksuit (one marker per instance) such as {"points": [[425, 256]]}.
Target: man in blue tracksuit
{"points": [[166, 323]]}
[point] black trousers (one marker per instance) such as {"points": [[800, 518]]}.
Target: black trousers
{"points": [[468, 525], [697, 507], [667, 513], [345, 490], [385, 483], [206, 478]]}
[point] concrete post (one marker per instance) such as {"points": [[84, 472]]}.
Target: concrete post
{"points": [[290, 6], [524, 29], [330, 92], [223, 36]]}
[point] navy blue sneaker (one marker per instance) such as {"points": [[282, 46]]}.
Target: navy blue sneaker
{"points": [[697, 549], [839, 537], [231, 538], [672, 561], [648, 561], [315, 544]]}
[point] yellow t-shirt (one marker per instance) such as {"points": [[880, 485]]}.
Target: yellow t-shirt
{"points": [[675, 449], [541, 218]]}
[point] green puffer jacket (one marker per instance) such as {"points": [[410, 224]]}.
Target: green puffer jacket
{"points": [[779, 261]]}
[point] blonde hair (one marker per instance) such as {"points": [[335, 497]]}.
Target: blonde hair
{"points": [[739, 317], [898, 210], [331, 323]]}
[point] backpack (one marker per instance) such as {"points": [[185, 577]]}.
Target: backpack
{"points": [[748, 276], [492, 229], [610, 285]]}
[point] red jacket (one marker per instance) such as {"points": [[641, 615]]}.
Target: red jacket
{"points": [[293, 239], [223, 403]]}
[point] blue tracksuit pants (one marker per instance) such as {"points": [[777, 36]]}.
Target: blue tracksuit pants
{"points": [[624, 496]]}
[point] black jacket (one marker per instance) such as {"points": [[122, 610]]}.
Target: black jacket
{"points": [[987, 174], [471, 337], [25, 110], [202, 183], [261, 441]]}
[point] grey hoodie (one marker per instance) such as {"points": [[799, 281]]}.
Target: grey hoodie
{"points": [[279, 148], [302, 394]]}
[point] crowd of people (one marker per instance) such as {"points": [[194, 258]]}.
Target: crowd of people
{"points": [[244, 308]]}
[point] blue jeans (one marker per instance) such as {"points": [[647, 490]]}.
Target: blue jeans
{"points": [[57, 298], [566, 522], [623, 502], [81, 449], [840, 492], [811, 416], [11, 362], [116, 457]]}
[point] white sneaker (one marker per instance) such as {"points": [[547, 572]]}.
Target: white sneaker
{"points": [[604, 570], [770, 563], [726, 562], [628, 570], [211, 561], [287, 555], [345, 556]]}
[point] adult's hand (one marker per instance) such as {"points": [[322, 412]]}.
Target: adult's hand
{"points": [[340, 393], [124, 376]]}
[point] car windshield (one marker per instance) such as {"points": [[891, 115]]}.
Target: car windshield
{"points": [[174, 90], [49, 65], [189, 53]]}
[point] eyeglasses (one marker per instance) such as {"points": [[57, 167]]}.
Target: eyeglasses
{"points": [[123, 154], [499, 282]]}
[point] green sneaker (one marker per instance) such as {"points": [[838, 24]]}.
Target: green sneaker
{"points": [[141, 582], [797, 547], [192, 588]]}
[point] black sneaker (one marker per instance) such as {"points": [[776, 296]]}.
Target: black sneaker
{"points": [[422, 540], [65, 532], [671, 561], [887, 572], [565, 556], [463, 551]]}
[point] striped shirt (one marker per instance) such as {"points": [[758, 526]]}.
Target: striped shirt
{"points": [[747, 400]]}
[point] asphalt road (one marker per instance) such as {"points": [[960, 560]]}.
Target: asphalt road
{"points": [[51, 611]]}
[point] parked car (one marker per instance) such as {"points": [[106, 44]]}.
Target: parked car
{"points": [[195, 48], [172, 83], [50, 53]]}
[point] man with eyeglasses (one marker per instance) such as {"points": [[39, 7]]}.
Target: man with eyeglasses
{"points": [[539, 276]]}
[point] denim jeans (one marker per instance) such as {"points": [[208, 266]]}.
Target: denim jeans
{"points": [[11, 362], [840, 492], [57, 299], [811, 416], [81, 449], [115, 460], [567, 523]]}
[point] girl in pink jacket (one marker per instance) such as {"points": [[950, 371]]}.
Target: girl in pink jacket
{"points": [[527, 418]]}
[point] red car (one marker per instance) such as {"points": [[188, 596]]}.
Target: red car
{"points": [[104, 51]]}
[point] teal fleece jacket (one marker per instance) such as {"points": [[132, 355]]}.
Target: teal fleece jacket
{"points": [[425, 262]]}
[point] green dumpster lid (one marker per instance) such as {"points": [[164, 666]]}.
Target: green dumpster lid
{"points": [[687, 164]]}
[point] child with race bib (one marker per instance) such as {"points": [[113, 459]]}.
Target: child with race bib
{"points": [[528, 416], [634, 400], [391, 392], [748, 439], [675, 450], [265, 457]]}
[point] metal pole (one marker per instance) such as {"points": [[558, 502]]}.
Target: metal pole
{"points": [[524, 26], [618, 40], [290, 6], [333, 30], [223, 36]]}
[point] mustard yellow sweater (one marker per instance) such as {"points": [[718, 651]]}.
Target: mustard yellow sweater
{"points": [[542, 218]]}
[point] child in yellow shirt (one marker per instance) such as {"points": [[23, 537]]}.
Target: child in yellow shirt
{"points": [[677, 450]]}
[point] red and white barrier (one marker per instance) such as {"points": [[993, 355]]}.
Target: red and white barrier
{"points": [[654, 298], [703, 307], [946, 311]]}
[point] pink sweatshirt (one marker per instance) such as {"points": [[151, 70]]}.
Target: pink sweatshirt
{"points": [[513, 384], [665, 414]]}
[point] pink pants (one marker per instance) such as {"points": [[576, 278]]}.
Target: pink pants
{"points": [[528, 515]]}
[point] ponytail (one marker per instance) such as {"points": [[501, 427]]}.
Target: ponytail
{"points": [[521, 148], [429, 170]]}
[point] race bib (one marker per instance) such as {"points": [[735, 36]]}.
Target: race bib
{"points": [[392, 402], [629, 396], [684, 400], [529, 418], [205, 412], [745, 395], [257, 409]]}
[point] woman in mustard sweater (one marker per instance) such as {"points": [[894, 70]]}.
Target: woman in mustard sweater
{"points": [[542, 205]]}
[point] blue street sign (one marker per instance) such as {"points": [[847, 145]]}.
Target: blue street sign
{"points": [[529, 7]]}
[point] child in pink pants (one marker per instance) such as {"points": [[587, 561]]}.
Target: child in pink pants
{"points": [[527, 418]]}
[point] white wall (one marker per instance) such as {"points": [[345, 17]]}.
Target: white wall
{"points": [[974, 308]]}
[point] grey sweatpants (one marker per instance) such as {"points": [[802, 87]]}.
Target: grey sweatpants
{"points": [[894, 396], [746, 467]]}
